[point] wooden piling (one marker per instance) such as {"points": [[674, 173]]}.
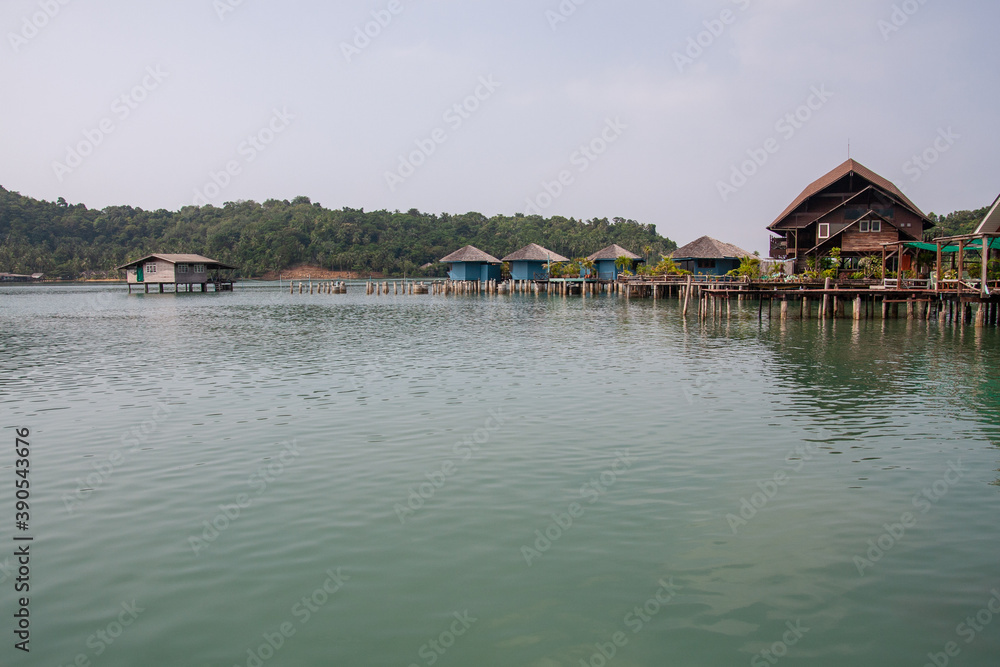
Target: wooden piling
{"points": [[687, 296]]}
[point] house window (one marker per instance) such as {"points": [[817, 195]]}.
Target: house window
{"points": [[824, 230], [182, 268], [876, 226], [865, 226], [706, 263], [151, 267], [198, 268]]}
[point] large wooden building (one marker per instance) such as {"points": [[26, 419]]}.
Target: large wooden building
{"points": [[851, 208], [181, 271]]}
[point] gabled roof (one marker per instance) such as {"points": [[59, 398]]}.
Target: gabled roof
{"points": [[535, 253], [991, 223], [870, 212], [178, 259], [613, 251], [849, 167], [470, 254], [708, 248]]}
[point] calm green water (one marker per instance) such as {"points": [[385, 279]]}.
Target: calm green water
{"points": [[402, 452]]}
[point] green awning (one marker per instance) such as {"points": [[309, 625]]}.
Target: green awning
{"points": [[974, 244]]}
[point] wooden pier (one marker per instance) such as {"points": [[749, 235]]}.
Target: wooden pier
{"points": [[723, 298]]}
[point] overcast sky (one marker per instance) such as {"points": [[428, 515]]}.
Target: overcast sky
{"points": [[580, 108]]}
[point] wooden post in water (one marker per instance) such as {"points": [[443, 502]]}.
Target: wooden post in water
{"points": [[687, 296], [857, 308], [826, 299], [784, 308]]}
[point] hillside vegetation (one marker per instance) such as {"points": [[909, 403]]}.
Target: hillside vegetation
{"points": [[71, 241]]}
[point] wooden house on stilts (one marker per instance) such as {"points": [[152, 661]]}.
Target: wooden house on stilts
{"points": [[532, 262], [851, 208], [470, 264], [181, 271]]}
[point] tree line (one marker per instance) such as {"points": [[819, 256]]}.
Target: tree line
{"points": [[72, 241]]}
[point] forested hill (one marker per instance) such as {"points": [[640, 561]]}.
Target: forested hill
{"points": [[957, 223], [65, 240]]}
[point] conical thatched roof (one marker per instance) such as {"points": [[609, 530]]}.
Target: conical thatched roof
{"points": [[613, 251], [535, 253], [708, 248], [470, 254]]}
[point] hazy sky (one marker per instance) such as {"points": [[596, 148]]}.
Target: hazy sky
{"points": [[582, 108]]}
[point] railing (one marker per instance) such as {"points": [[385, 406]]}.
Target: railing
{"points": [[907, 283]]}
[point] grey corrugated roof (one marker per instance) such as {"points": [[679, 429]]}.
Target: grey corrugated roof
{"points": [[613, 251], [708, 248], [470, 254], [178, 259], [535, 253]]}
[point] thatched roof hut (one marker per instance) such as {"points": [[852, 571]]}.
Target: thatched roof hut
{"points": [[532, 262]]}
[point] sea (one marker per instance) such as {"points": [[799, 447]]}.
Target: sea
{"points": [[263, 478]]}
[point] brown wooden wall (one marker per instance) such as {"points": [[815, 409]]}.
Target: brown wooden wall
{"points": [[854, 240]]}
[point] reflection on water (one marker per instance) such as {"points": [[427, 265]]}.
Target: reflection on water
{"points": [[766, 458]]}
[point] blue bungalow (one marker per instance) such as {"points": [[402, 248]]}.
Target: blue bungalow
{"points": [[605, 262], [532, 262], [472, 264], [709, 257]]}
